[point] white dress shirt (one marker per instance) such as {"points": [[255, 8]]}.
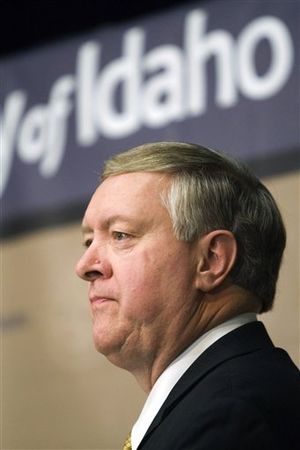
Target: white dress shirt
{"points": [[167, 380]]}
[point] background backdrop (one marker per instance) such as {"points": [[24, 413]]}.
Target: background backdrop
{"points": [[78, 83]]}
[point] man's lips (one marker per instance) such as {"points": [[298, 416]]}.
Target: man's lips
{"points": [[97, 300]]}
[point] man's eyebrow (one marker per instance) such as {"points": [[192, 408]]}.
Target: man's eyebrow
{"points": [[118, 217], [106, 223], [85, 229]]}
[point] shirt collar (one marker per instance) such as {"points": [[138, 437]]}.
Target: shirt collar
{"points": [[167, 380]]}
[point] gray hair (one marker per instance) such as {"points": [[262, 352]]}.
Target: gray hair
{"points": [[209, 191]]}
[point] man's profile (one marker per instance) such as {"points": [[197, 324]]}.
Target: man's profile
{"points": [[183, 249]]}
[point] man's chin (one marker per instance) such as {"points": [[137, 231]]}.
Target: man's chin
{"points": [[105, 343]]}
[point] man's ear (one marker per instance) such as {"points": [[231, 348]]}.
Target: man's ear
{"points": [[217, 254]]}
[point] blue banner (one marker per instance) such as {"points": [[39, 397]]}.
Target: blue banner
{"points": [[222, 74]]}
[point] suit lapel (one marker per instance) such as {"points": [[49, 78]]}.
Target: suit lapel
{"points": [[246, 339]]}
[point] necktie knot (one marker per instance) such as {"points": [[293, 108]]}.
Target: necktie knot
{"points": [[127, 444]]}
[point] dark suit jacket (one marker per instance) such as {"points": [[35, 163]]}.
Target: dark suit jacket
{"points": [[242, 393]]}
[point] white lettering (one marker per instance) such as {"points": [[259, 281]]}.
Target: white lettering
{"points": [[200, 48], [124, 73], [87, 66], [58, 110], [274, 30], [42, 133], [32, 134], [165, 84], [163, 93], [9, 120]]}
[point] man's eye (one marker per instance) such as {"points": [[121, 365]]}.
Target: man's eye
{"points": [[120, 235], [87, 243]]}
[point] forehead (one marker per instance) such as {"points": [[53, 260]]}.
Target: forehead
{"points": [[130, 195]]}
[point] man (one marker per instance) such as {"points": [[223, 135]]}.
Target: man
{"points": [[183, 249]]}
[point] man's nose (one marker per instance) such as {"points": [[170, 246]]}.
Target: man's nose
{"points": [[86, 268], [91, 266]]}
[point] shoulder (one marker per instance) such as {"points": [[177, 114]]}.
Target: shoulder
{"points": [[250, 401], [226, 423]]}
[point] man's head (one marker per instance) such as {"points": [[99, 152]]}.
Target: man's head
{"points": [[210, 191], [178, 239]]}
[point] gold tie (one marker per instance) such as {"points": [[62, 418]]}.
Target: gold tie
{"points": [[127, 445]]}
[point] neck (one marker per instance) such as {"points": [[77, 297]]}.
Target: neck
{"points": [[212, 310]]}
